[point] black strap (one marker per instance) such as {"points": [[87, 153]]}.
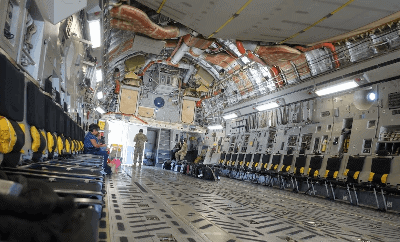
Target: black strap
{"points": [[20, 136]]}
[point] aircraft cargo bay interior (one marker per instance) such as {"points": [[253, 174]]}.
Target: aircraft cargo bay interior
{"points": [[199, 121]]}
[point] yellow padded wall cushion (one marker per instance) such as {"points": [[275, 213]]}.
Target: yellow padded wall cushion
{"points": [[8, 137], [35, 135], [50, 142]]}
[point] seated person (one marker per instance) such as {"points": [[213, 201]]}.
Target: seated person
{"points": [[91, 146]]}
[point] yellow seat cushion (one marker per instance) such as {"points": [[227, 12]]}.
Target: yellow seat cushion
{"points": [[355, 176], [50, 142], [35, 135], [384, 178], [371, 176], [8, 137]]}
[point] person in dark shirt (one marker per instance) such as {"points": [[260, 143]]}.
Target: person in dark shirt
{"points": [[91, 146]]}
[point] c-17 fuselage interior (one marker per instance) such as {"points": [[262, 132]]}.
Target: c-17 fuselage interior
{"points": [[167, 120]]}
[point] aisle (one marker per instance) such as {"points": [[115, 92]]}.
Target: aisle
{"points": [[150, 204]]}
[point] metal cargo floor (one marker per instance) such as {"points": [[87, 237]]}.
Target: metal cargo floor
{"points": [[150, 204]]}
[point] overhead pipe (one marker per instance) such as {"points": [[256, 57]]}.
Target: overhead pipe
{"points": [[249, 53], [183, 49], [189, 74], [329, 46], [116, 76], [278, 79], [127, 115], [176, 49], [117, 87]]}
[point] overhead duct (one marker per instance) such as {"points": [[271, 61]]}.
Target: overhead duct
{"points": [[198, 46], [249, 53], [329, 46], [129, 18]]}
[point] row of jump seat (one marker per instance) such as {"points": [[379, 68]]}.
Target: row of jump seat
{"points": [[55, 192], [353, 173]]}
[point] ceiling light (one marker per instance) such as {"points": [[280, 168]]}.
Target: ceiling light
{"points": [[217, 126], [99, 76], [99, 95], [230, 116], [371, 96], [267, 106], [100, 110], [337, 88], [95, 33]]}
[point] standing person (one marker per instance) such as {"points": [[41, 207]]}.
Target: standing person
{"points": [[91, 146], [180, 155], [140, 139]]}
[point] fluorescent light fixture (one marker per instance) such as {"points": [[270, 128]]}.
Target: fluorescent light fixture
{"points": [[217, 126], [95, 33], [99, 95], [371, 96], [336, 88], [100, 110], [99, 75], [267, 106], [230, 116]]}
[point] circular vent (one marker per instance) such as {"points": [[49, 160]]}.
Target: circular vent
{"points": [[159, 102]]}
